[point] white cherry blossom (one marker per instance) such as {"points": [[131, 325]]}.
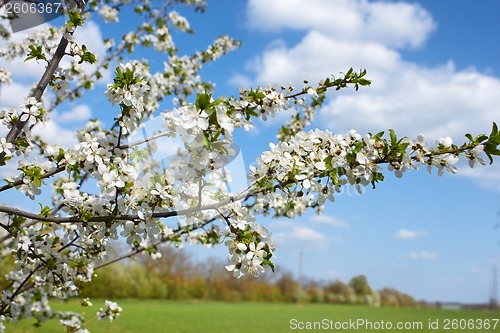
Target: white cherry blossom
{"points": [[109, 188]]}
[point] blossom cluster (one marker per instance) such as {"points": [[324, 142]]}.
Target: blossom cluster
{"points": [[30, 112], [5, 76], [250, 256], [128, 91], [75, 322], [109, 187], [46, 37], [111, 311], [108, 13], [58, 272], [318, 163]]}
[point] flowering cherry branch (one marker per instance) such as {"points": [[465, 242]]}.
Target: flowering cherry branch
{"points": [[134, 199], [121, 217], [52, 66]]}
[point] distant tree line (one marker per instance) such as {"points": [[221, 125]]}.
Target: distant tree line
{"points": [[176, 276]]}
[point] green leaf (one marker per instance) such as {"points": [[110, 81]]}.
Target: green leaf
{"points": [[363, 82], [203, 101], [495, 135], [481, 138], [17, 222], [393, 137], [216, 102], [36, 52], [75, 19], [491, 149], [86, 216], [207, 142], [402, 146], [60, 156], [379, 135], [37, 182], [51, 263], [328, 162], [251, 112], [268, 263], [87, 56], [257, 95], [45, 211], [490, 158]]}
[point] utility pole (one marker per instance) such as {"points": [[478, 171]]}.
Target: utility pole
{"points": [[493, 291], [494, 280]]}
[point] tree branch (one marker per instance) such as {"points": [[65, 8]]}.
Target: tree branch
{"points": [[140, 142], [128, 217], [45, 175], [16, 129], [105, 62]]}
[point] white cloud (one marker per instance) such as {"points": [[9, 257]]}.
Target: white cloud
{"points": [[289, 233], [240, 80], [487, 177], [303, 236], [318, 55], [24, 71], [306, 234], [330, 220], [424, 255], [412, 99], [409, 234], [336, 274], [52, 133], [408, 97], [391, 23], [90, 35], [13, 95], [9, 170], [25, 74], [32, 70], [78, 113]]}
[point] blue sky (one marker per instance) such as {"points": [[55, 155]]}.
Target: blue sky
{"points": [[435, 70], [432, 237]]}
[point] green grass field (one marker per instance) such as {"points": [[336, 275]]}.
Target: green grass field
{"points": [[213, 317]]}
